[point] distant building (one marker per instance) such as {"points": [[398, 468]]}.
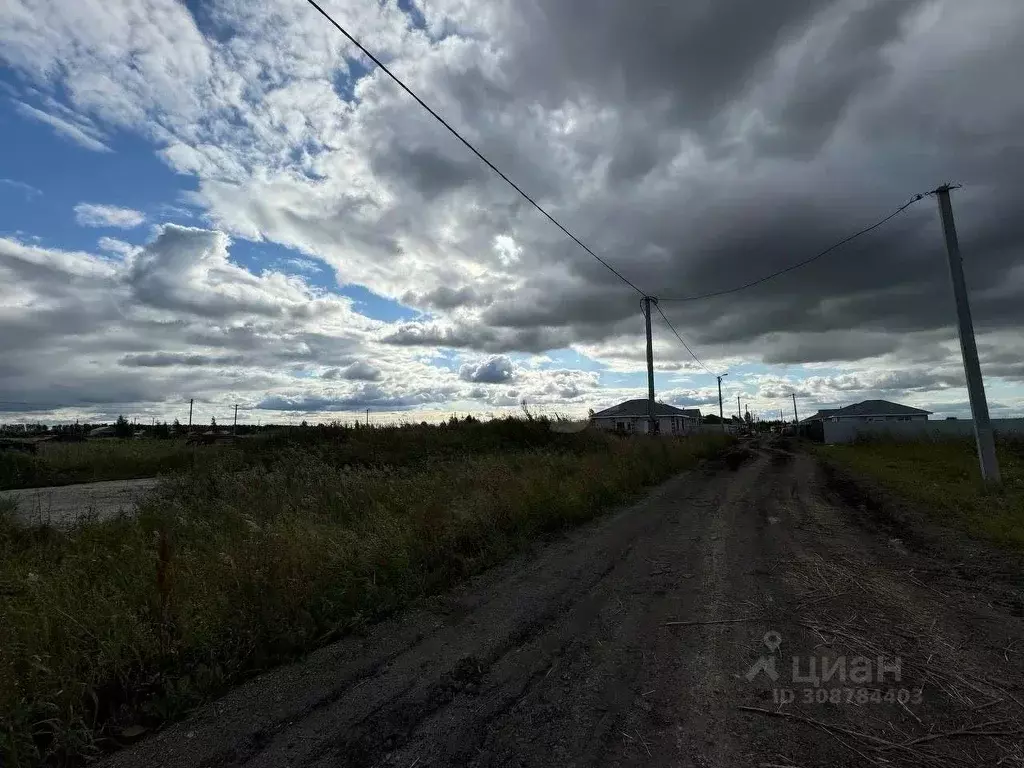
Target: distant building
{"points": [[874, 410], [632, 417], [819, 416], [107, 431]]}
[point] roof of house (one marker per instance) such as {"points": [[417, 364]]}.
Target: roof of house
{"points": [[878, 408], [819, 415], [638, 409]]}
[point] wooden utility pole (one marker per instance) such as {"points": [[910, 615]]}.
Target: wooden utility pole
{"points": [[234, 426], [652, 423], [367, 417], [190, 401], [721, 417], [968, 348]]}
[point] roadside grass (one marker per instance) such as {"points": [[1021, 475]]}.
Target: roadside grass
{"points": [[230, 569], [942, 479]]}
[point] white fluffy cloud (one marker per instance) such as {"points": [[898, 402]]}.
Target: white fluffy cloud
{"points": [[93, 215], [177, 319], [689, 166]]}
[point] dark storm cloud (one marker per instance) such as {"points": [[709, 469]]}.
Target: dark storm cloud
{"points": [[429, 172], [368, 396], [445, 297], [480, 337], [166, 359], [839, 146], [831, 75], [357, 371], [694, 55]]}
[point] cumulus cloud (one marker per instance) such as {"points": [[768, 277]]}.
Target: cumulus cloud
{"points": [[119, 247], [93, 215], [357, 371], [698, 154], [494, 370]]}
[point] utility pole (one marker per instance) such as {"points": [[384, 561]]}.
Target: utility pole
{"points": [[234, 426], [652, 424], [190, 401], [721, 417], [739, 411], [968, 347], [796, 417], [367, 417]]}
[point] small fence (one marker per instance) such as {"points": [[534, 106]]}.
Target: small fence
{"points": [[850, 431]]}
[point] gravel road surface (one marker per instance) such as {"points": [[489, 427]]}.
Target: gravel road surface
{"points": [[63, 505], [671, 633]]}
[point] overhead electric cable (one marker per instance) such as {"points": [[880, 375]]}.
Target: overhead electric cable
{"points": [[799, 264], [469, 146], [681, 341]]}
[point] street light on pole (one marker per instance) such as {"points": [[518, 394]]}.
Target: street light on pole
{"points": [[721, 416]]}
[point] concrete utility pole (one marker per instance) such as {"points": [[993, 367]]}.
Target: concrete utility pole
{"points": [[968, 348], [234, 427], [190, 401], [652, 423], [721, 418]]}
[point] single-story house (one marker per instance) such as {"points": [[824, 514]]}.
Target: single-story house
{"points": [[819, 416], [631, 416], [877, 410]]}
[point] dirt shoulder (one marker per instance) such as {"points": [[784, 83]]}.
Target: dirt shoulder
{"points": [[646, 638], [65, 505]]}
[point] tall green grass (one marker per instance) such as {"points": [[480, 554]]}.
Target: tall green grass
{"points": [[234, 567], [86, 462], [943, 480]]}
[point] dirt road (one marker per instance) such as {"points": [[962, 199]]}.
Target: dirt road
{"points": [[63, 505], [639, 640]]}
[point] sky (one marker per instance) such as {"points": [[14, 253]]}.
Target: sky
{"points": [[225, 202]]}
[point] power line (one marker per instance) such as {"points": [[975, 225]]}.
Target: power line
{"points": [[681, 341], [799, 264], [471, 148]]}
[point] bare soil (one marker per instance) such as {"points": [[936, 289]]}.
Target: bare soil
{"points": [[65, 505], [630, 641]]}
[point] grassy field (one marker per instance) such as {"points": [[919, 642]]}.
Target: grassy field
{"points": [[263, 552], [64, 463], [114, 459], [943, 480]]}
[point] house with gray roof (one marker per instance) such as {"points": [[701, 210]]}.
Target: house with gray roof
{"points": [[631, 417], [877, 410], [819, 416]]}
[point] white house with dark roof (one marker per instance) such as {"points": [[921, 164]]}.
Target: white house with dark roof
{"points": [[631, 417], [875, 410]]}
